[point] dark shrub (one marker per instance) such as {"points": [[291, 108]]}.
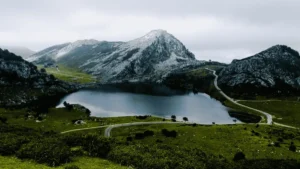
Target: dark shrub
{"points": [[3, 120], [167, 133], [173, 120], [51, 151], [68, 106], [277, 144], [72, 167], [185, 119], [43, 70], [292, 148], [139, 136], [142, 117], [239, 156], [194, 124], [173, 117], [148, 133], [11, 143], [88, 112], [159, 141], [164, 119], [95, 146], [280, 140], [129, 139]]}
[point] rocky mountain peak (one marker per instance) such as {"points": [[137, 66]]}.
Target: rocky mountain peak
{"points": [[272, 68]]}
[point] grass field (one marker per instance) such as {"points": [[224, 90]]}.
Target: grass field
{"points": [[69, 74], [285, 112], [222, 140], [81, 162], [60, 119]]}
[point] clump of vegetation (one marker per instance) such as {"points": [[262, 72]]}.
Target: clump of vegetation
{"points": [[51, 151], [68, 106], [292, 147], [94, 145], [3, 120], [185, 119], [168, 133], [142, 117], [239, 156]]}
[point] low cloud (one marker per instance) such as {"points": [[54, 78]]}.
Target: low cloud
{"points": [[216, 30]]}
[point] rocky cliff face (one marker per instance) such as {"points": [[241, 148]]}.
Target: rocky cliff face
{"points": [[22, 83], [148, 58], [276, 69]]}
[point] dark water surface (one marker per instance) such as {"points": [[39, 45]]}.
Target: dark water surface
{"points": [[112, 102]]}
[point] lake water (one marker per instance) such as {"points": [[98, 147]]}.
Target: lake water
{"points": [[198, 108]]}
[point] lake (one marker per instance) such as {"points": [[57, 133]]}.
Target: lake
{"points": [[113, 102]]}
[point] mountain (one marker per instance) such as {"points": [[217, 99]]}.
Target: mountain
{"points": [[148, 58], [21, 83], [20, 51], [275, 71]]}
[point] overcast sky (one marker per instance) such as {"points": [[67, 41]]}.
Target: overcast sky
{"points": [[212, 29]]}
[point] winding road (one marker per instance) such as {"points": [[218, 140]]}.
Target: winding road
{"points": [[109, 128], [269, 116]]}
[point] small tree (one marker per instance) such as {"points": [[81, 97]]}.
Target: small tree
{"points": [[185, 119], [173, 117], [234, 120]]}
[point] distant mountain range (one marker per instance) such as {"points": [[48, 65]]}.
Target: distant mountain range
{"points": [[158, 54], [20, 51], [149, 58], [274, 71]]}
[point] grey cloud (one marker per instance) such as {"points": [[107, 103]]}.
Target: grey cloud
{"points": [[215, 29]]}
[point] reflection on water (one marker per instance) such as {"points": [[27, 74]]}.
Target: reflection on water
{"points": [[198, 108]]}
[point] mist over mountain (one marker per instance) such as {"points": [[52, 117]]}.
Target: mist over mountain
{"points": [[20, 51]]}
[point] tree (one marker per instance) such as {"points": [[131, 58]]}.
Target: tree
{"points": [[234, 120], [185, 119], [173, 117]]}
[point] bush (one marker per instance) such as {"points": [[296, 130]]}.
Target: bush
{"points": [[167, 133], [68, 106], [11, 143], [51, 151], [148, 133], [280, 140], [239, 156], [95, 146], [139, 136], [173, 117], [277, 144], [129, 139], [3, 120], [292, 147], [43, 70], [142, 117], [185, 119]]}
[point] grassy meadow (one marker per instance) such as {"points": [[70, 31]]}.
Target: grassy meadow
{"points": [[285, 112], [69, 74]]}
